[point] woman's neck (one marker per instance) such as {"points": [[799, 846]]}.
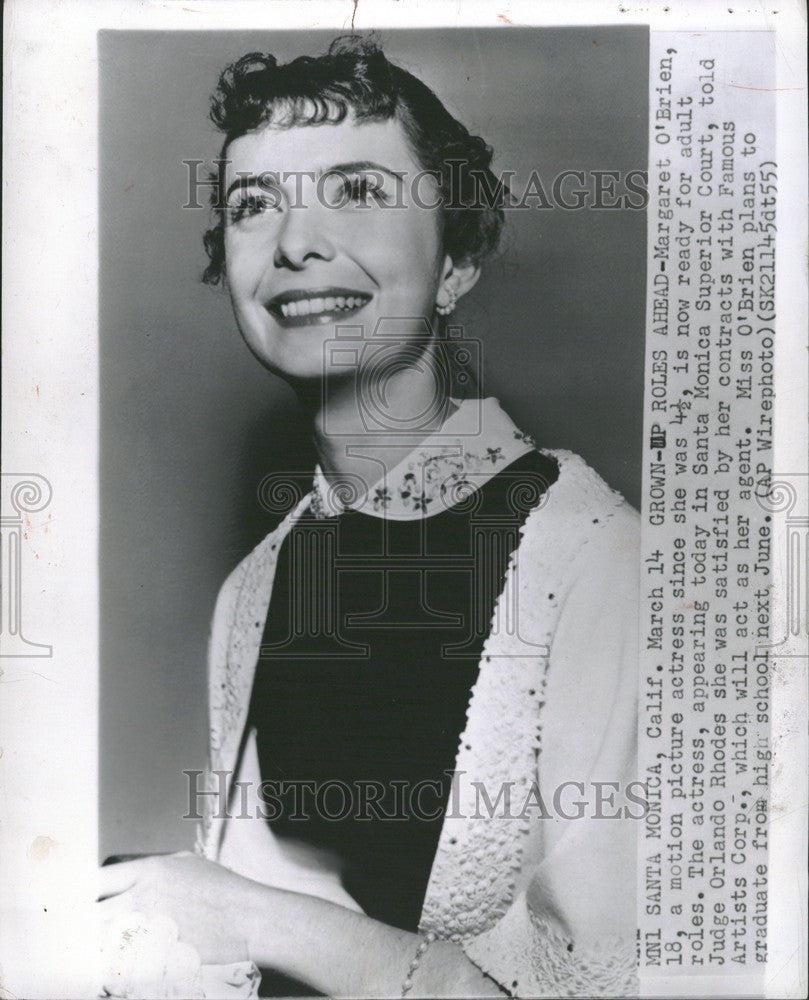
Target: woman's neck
{"points": [[364, 427]]}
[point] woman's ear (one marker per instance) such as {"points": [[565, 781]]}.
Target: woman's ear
{"points": [[456, 280]]}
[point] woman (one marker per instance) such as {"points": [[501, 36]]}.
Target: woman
{"points": [[423, 680]]}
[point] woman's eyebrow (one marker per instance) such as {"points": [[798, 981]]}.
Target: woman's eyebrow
{"points": [[354, 166]]}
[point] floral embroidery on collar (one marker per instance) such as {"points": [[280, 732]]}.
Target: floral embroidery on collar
{"points": [[381, 498], [441, 472]]}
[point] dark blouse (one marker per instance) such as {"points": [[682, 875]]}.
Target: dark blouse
{"points": [[372, 643]]}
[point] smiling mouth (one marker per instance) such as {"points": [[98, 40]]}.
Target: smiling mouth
{"points": [[311, 306]]}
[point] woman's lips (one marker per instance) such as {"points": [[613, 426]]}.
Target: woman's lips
{"points": [[315, 306]]}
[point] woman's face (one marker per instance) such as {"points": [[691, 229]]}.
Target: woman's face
{"points": [[320, 233]]}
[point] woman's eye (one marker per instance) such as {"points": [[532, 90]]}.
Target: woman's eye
{"points": [[364, 189], [252, 203]]}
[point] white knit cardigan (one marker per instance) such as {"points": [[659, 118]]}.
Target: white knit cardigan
{"points": [[544, 906]]}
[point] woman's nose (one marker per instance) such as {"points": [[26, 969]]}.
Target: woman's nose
{"points": [[303, 237]]}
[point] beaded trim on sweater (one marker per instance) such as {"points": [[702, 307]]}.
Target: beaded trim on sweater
{"points": [[550, 962], [503, 735]]}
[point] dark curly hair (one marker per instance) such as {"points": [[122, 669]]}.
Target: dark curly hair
{"points": [[355, 77]]}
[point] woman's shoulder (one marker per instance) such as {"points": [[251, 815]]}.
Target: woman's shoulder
{"points": [[582, 530], [581, 499]]}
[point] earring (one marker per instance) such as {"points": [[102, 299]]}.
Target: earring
{"points": [[453, 299]]}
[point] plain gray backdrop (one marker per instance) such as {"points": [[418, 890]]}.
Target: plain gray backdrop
{"points": [[191, 424]]}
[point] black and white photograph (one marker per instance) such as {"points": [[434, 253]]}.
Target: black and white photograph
{"points": [[413, 457], [415, 649]]}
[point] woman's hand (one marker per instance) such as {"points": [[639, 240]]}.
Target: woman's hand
{"points": [[142, 957], [209, 904]]}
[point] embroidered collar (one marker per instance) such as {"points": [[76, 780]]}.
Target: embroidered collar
{"points": [[473, 444]]}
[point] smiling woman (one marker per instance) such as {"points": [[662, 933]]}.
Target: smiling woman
{"points": [[422, 682], [381, 262], [363, 209]]}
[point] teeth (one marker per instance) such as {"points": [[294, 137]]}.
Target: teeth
{"points": [[308, 307]]}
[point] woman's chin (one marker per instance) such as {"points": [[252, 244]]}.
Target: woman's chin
{"points": [[295, 374], [297, 355]]}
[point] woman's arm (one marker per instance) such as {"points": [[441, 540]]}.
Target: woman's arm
{"points": [[229, 918], [344, 953], [250, 848]]}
